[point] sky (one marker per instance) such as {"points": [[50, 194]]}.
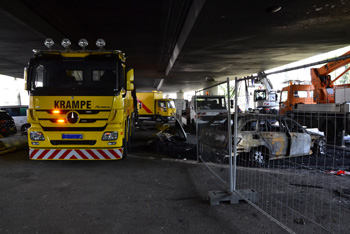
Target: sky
{"points": [[304, 73]]}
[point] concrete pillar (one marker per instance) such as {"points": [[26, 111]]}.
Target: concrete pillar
{"points": [[209, 81], [180, 95]]}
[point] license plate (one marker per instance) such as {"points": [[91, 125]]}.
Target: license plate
{"points": [[72, 136]]}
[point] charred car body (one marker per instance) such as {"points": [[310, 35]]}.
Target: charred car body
{"points": [[264, 137]]}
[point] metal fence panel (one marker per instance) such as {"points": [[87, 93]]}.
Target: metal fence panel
{"points": [[213, 138], [300, 171]]}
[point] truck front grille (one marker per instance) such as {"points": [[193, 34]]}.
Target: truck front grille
{"points": [[71, 142], [93, 129]]}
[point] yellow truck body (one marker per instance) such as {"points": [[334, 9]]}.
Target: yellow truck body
{"points": [[152, 106], [82, 105]]}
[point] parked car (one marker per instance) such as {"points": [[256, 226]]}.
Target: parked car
{"points": [[19, 115], [262, 137], [7, 124]]}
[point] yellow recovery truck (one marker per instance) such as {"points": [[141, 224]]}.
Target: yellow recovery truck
{"points": [[82, 103], [152, 106]]}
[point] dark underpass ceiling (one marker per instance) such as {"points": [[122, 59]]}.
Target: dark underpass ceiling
{"points": [[180, 42]]}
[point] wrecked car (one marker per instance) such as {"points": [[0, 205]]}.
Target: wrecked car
{"points": [[263, 137]]}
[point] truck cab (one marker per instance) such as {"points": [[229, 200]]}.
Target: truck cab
{"points": [[266, 101], [81, 103], [295, 94], [152, 106], [204, 108]]}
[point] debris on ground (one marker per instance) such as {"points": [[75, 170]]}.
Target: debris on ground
{"points": [[12, 143], [340, 172], [171, 140]]}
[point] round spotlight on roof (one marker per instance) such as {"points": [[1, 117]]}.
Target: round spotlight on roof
{"points": [[100, 43], [83, 43], [49, 43], [66, 43], [273, 9]]}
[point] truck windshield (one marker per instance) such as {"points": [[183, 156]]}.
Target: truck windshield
{"points": [[284, 96], [85, 75], [259, 95], [211, 103], [171, 104]]}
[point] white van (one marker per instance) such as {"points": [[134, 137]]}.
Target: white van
{"points": [[19, 115]]}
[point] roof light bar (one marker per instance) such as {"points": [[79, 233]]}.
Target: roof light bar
{"points": [[49, 43], [100, 43], [66, 43], [83, 43]]}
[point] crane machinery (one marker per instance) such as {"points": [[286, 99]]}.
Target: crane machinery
{"points": [[321, 104], [265, 100]]}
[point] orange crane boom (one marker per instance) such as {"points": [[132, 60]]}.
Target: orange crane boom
{"points": [[322, 82]]}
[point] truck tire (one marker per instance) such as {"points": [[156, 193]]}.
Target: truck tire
{"points": [[259, 157], [132, 126], [320, 147], [128, 142], [193, 126], [125, 149], [125, 141], [158, 118], [24, 129]]}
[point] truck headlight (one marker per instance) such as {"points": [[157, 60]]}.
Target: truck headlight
{"points": [[110, 136], [37, 136]]}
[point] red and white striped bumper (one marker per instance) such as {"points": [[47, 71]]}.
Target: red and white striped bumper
{"points": [[75, 154]]}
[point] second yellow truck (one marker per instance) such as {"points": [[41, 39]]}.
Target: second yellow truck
{"points": [[152, 106]]}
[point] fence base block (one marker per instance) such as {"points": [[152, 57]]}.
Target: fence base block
{"points": [[217, 196]]}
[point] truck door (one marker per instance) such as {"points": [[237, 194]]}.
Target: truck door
{"points": [[299, 139], [274, 134], [284, 102], [161, 108]]}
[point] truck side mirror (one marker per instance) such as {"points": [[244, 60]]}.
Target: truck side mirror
{"points": [[129, 86], [231, 104], [27, 82], [130, 80]]}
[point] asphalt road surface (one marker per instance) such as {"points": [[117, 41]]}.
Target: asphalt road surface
{"points": [[146, 193]]}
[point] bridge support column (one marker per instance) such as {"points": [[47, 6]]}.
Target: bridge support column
{"points": [[180, 95], [209, 81]]}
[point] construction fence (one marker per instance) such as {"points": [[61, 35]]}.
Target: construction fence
{"points": [[294, 166]]}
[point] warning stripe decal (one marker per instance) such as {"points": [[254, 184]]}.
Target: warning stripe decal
{"points": [[75, 154], [144, 106]]}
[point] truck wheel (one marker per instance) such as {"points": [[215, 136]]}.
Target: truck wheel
{"points": [[158, 119], [24, 129], [193, 126], [128, 142], [319, 147], [258, 157], [132, 126], [125, 149]]}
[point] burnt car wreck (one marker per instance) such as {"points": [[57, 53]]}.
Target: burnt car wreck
{"points": [[260, 138]]}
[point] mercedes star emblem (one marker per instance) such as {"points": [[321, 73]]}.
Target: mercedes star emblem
{"points": [[72, 117]]}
